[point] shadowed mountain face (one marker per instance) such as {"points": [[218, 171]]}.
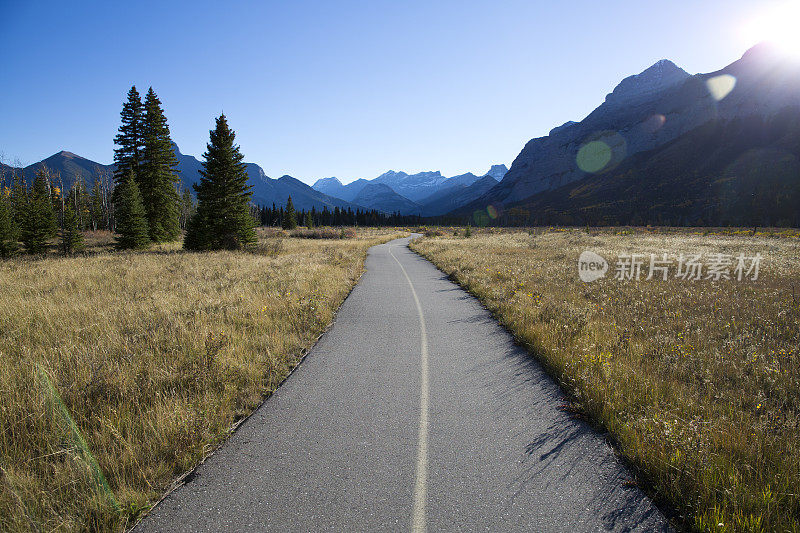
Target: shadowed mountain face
{"points": [[739, 172], [266, 191], [454, 197], [383, 198], [646, 112]]}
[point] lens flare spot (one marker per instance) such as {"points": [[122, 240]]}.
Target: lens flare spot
{"points": [[720, 86], [655, 123], [594, 156], [480, 217], [491, 211]]}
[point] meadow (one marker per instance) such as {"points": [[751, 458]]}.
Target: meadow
{"points": [[122, 370], [697, 382]]}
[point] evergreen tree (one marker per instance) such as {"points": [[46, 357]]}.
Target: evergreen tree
{"points": [[289, 216], [39, 216], [130, 139], [309, 220], [157, 177], [71, 236], [223, 218], [9, 231], [130, 215]]}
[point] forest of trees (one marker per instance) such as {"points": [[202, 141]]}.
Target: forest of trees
{"points": [[276, 216], [33, 215]]}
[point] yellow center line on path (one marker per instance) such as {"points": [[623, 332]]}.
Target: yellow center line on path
{"points": [[420, 485]]}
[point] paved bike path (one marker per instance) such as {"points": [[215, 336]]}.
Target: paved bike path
{"points": [[414, 411]]}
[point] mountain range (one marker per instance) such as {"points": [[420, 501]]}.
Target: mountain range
{"points": [[426, 193], [434, 191], [668, 146], [266, 191]]}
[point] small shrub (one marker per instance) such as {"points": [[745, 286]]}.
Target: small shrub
{"points": [[323, 233], [271, 232]]}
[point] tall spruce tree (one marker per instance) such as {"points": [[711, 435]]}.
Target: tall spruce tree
{"points": [[130, 215], [157, 177], [223, 218], [9, 232], [39, 217], [130, 138], [290, 216], [309, 222], [70, 234]]}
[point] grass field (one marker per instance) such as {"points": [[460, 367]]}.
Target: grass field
{"points": [[120, 371], [697, 382]]}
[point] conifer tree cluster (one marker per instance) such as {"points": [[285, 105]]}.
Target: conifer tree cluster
{"points": [[223, 219], [145, 155], [35, 215]]}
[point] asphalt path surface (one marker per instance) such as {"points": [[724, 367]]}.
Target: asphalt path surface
{"points": [[415, 411]]}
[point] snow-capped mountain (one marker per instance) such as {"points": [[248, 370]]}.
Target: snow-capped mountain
{"points": [[417, 188], [412, 186]]}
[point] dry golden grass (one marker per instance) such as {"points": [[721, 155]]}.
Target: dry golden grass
{"points": [[697, 382], [120, 371]]}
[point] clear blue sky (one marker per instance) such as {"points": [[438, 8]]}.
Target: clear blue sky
{"points": [[340, 88]]}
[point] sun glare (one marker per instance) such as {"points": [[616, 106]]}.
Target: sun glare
{"points": [[777, 25]]}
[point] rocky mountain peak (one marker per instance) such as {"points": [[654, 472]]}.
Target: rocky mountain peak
{"points": [[327, 181], [392, 175], [497, 172], [655, 79]]}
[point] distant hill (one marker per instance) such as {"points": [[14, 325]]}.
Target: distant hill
{"points": [[383, 198], [68, 165]]}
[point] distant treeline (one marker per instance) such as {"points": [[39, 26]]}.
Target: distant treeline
{"points": [[277, 216]]}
